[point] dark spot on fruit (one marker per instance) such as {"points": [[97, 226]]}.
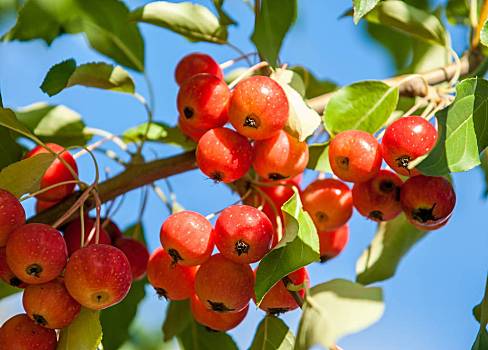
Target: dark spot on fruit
{"points": [[376, 215], [39, 320], [321, 216], [217, 176], [324, 259], [342, 162], [211, 330], [15, 282], [251, 121], [161, 293], [218, 306], [34, 270], [424, 215], [387, 186], [276, 176], [188, 112], [175, 256], [241, 247], [403, 162], [276, 311]]}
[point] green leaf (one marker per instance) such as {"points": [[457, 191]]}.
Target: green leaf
{"points": [[9, 149], [409, 20], [481, 342], [178, 318], [335, 309], [484, 34], [361, 106], [194, 22], [224, 17], [273, 334], [273, 22], [197, 337], [318, 158], [298, 247], [484, 168], [9, 120], [457, 12], [392, 241], [25, 176], [109, 31], [54, 123], [159, 132], [98, 75], [477, 312], [84, 333], [313, 86], [463, 131], [362, 7], [7, 290]]}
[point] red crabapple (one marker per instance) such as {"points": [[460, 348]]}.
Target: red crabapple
{"points": [[354, 156], [223, 285], [56, 173], [36, 253], [50, 305], [216, 321], [12, 215], [43, 205], [21, 333], [428, 201], [170, 280], [379, 197], [6, 274], [188, 237], [136, 253], [203, 102], [196, 63], [224, 155], [72, 235], [258, 108], [332, 243], [278, 299], [189, 131], [111, 228], [280, 157], [329, 203], [98, 276], [405, 140], [243, 234]]}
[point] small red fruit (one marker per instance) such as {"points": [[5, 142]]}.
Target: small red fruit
{"points": [[170, 280], [216, 321], [43, 205], [428, 201], [98, 276], [56, 173], [196, 63], [278, 299], [405, 140], [355, 156], [12, 215], [188, 237], [189, 131], [224, 155], [223, 285], [379, 197], [6, 274], [136, 253], [258, 108], [332, 243], [203, 102], [72, 235], [36, 253], [111, 228], [50, 305], [280, 157], [21, 333], [329, 203], [243, 234]]}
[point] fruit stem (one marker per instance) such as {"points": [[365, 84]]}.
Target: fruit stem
{"points": [[82, 224], [230, 63], [80, 201], [297, 297], [279, 224], [106, 136], [45, 189], [479, 25], [248, 72], [243, 197]]}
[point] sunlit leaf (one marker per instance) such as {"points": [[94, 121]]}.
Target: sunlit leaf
{"points": [[178, 318], [84, 333], [273, 334], [159, 132], [362, 7]]}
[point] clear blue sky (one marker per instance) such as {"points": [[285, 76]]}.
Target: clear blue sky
{"points": [[428, 302]]}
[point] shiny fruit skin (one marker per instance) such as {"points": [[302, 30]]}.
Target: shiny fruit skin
{"points": [[6, 274], [170, 280], [12, 215], [405, 140], [329, 203], [50, 305], [72, 235], [258, 108], [189, 131], [98, 276], [21, 333], [216, 321], [43, 205], [56, 173], [136, 253], [332, 243], [223, 285], [224, 155], [428, 201], [280, 157], [36, 253], [188, 237], [354, 156], [196, 63], [243, 234], [278, 299], [378, 198], [203, 102]]}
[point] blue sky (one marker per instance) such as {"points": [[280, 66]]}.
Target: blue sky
{"points": [[428, 302]]}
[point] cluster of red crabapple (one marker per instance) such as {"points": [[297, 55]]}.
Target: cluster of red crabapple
{"points": [[59, 275], [220, 286]]}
